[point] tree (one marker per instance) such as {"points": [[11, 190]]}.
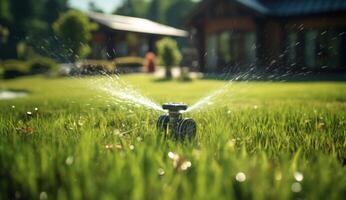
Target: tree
{"points": [[169, 54], [94, 8], [26, 22], [134, 8], [177, 10], [74, 29], [52, 8], [4, 22], [5, 14], [154, 10], [23, 11]]}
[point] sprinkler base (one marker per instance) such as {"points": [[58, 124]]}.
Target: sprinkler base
{"points": [[173, 122]]}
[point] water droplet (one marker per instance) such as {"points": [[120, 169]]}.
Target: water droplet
{"points": [[296, 187], [17, 195], [278, 176], [173, 156], [161, 172], [240, 177], [320, 125], [109, 146], [69, 160], [298, 176], [43, 195], [185, 165], [272, 62], [231, 144], [81, 121]]}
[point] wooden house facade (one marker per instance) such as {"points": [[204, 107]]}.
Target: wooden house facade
{"points": [[233, 35]]}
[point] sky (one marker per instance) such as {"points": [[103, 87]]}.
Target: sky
{"points": [[107, 6]]}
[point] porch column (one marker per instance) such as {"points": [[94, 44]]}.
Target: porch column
{"points": [[152, 40], [343, 49]]}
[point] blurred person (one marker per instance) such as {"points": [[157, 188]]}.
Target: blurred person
{"points": [[150, 62]]}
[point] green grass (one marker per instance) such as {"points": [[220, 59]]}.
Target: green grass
{"points": [[271, 132]]}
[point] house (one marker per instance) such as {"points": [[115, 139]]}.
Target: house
{"points": [[119, 36], [233, 35]]}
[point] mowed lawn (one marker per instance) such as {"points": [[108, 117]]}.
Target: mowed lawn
{"points": [[255, 140]]}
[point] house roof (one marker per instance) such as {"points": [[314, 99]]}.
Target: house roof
{"points": [[288, 8], [134, 24], [282, 8], [305, 7], [255, 5]]}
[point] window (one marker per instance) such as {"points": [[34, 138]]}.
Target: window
{"points": [[314, 49], [328, 48], [292, 52], [230, 50], [310, 48], [211, 53]]}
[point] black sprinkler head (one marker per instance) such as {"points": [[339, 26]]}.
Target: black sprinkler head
{"points": [[174, 107], [174, 124]]}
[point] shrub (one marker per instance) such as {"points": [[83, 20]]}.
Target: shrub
{"points": [[169, 54], [129, 64], [122, 64], [14, 68], [184, 74], [91, 67], [130, 61], [74, 28], [42, 65]]}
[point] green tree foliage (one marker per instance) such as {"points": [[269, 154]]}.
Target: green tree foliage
{"points": [[154, 10], [167, 12], [4, 20], [169, 54], [74, 28], [28, 21], [5, 14], [52, 9], [23, 12], [134, 8], [94, 8], [177, 10]]}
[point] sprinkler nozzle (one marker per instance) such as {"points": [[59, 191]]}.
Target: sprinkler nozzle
{"points": [[174, 124], [174, 107]]}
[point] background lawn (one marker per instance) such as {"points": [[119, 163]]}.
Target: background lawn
{"points": [[258, 140]]}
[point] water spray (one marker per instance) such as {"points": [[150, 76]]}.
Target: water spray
{"points": [[173, 122]]}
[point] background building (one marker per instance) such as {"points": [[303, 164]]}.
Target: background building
{"points": [[119, 36], [295, 34]]}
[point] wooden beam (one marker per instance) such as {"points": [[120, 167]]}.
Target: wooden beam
{"points": [[317, 23], [235, 23]]}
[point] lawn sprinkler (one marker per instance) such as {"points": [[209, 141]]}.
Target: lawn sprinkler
{"points": [[173, 122]]}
